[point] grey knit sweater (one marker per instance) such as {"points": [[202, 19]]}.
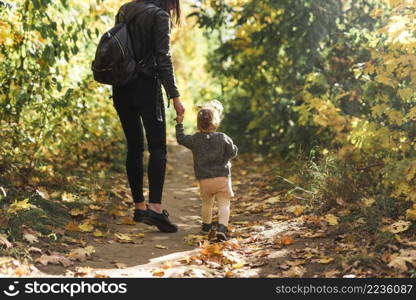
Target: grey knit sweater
{"points": [[212, 152]]}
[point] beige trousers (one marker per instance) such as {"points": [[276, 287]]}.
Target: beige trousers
{"points": [[216, 188]]}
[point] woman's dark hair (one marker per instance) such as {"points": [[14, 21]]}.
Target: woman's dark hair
{"points": [[207, 120], [173, 7]]}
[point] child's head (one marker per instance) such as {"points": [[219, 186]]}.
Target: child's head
{"points": [[209, 116], [207, 120]]}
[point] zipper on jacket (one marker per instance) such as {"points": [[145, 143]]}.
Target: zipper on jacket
{"points": [[119, 44]]}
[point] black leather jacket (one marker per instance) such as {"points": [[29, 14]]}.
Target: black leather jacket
{"points": [[150, 32]]}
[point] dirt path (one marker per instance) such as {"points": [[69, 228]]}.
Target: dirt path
{"points": [[181, 199]]}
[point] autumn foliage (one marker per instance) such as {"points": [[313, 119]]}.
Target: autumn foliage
{"points": [[318, 95]]}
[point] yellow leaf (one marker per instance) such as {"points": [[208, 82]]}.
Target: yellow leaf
{"points": [[67, 197], [123, 238], [368, 201], [325, 260], [98, 233], [117, 213], [95, 207], [86, 227], [139, 235], [161, 247], [158, 273], [331, 219], [77, 212], [399, 226], [273, 200], [411, 213], [297, 210], [238, 265], [406, 93], [19, 205]]}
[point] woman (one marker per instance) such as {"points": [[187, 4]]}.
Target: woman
{"points": [[141, 103]]}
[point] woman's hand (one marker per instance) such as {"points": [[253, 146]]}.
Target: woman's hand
{"points": [[177, 104]]}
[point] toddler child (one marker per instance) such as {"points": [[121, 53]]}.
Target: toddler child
{"points": [[212, 152]]}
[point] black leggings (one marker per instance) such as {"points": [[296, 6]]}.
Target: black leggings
{"points": [[136, 104]]}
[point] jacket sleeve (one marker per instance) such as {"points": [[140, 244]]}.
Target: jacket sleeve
{"points": [[182, 138], [161, 32], [231, 150]]}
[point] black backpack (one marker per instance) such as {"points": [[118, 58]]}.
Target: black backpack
{"points": [[115, 62]]}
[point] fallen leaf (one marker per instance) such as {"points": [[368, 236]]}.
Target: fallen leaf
{"points": [[238, 265], [95, 207], [295, 271], [81, 254], [97, 275], [43, 193], [77, 212], [117, 213], [5, 260], [127, 221], [325, 260], [54, 260], [340, 201], [86, 227], [194, 239], [71, 226], [297, 210], [83, 271], [31, 238], [332, 274], [139, 235], [5, 242], [283, 241], [167, 265], [241, 223], [158, 273], [399, 226], [98, 233], [161, 247], [399, 260], [120, 265], [34, 249], [273, 200], [211, 250], [368, 201], [411, 213], [123, 238], [67, 197], [331, 219], [19, 205], [20, 271], [229, 274]]}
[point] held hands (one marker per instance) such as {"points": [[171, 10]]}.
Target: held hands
{"points": [[179, 119], [180, 110]]}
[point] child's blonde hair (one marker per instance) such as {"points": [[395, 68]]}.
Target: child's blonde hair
{"points": [[209, 116]]}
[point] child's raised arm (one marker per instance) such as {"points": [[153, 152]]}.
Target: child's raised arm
{"points": [[182, 138]]}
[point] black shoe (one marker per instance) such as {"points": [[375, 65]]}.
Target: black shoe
{"points": [[139, 215], [206, 228], [161, 221], [222, 232]]}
